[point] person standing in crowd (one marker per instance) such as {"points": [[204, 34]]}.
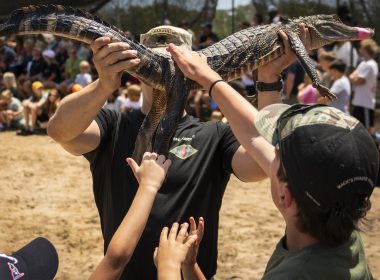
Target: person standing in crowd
{"points": [[325, 59], [203, 155], [364, 81], [346, 51], [341, 87], [322, 165], [208, 37], [294, 77], [273, 14]]}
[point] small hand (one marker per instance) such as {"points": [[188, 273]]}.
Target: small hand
{"points": [[110, 60], [152, 171], [191, 257], [173, 249]]}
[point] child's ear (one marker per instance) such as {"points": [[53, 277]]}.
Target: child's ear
{"points": [[285, 197]]}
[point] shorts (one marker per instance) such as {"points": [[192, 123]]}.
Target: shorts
{"points": [[364, 115]]}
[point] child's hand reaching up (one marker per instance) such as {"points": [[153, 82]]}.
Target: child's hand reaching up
{"points": [[152, 171]]}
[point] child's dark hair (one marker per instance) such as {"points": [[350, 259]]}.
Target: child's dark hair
{"points": [[338, 65], [331, 226]]}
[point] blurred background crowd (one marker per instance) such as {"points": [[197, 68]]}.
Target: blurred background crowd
{"points": [[36, 72]]}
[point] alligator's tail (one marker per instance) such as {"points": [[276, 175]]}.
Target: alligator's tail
{"points": [[81, 26]]}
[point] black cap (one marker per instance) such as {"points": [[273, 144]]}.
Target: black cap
{"points": [[325, 153], [38, 260]]}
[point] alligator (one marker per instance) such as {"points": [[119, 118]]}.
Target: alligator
{"points": [[232, 57]]}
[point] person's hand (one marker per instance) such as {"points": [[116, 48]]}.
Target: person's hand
{"points": [[193, 65], [173, 249], [110, 60], [152, 171], [191, 257], [270, 71]]}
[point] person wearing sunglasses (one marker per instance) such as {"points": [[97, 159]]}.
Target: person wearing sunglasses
{"points": [[322, 166]]}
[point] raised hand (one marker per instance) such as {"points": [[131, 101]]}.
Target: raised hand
{"points": [[172, 250], [193, 65], [191, 257], [110, 60], [152, 171]]}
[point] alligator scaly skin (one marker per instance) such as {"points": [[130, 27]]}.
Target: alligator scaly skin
{"points": [[232, 57]]}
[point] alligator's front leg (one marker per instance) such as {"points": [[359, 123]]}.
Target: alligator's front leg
{"points": [[144, 140], [307, 63], [177, 94]]}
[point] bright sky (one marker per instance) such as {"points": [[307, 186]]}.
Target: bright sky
{"points": [[227, 4]]}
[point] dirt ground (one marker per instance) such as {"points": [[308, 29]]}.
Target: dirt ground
{"points": [[47, 192]]}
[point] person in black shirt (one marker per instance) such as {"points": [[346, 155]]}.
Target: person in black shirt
{"points": [[203, 155], [208, 37]]}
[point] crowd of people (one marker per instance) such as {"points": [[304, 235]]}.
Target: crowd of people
{"points": [[322, 169]]}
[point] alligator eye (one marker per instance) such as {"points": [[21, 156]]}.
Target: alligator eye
{"points": [[161, 40]]}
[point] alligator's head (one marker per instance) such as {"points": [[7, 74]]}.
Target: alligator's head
{"points": [[326, 29]]}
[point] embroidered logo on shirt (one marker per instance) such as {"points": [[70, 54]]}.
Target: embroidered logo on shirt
{"points": [[183, 151]]}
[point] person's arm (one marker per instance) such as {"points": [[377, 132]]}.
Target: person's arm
{"points": [[150, 175], [73, 125], [289, 83], [172, 251], [239, 112], [356, 80], [190, 268]]}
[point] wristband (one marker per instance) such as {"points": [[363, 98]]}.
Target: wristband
{"points": [[212, 85], [276, 86]]}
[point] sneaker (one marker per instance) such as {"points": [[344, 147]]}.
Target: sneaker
{"points": [[24, 132]]}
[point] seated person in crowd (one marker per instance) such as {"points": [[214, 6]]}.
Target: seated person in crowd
{"points": [[33, 109], [11, 115], [50, 106], [84, 77], [133, 100], [341, 87], [9, 82]]}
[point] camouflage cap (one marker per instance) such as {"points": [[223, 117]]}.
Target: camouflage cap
{"points": [[325, 153], [159, 37]]}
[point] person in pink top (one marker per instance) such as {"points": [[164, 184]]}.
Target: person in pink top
{"points": [[307, 94]]}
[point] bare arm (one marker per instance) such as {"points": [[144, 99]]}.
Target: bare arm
{"points": [[73, 124], [240, 114], [356, 80], [150, 174]]}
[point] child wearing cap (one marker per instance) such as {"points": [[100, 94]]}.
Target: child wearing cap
{"points": [[33, 109], [322, 165]]}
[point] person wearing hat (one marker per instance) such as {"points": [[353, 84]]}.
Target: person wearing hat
{"points": [[33, 109], [37, 260], [51, 73], [203, 154], [273, 14], [322, 166]]}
